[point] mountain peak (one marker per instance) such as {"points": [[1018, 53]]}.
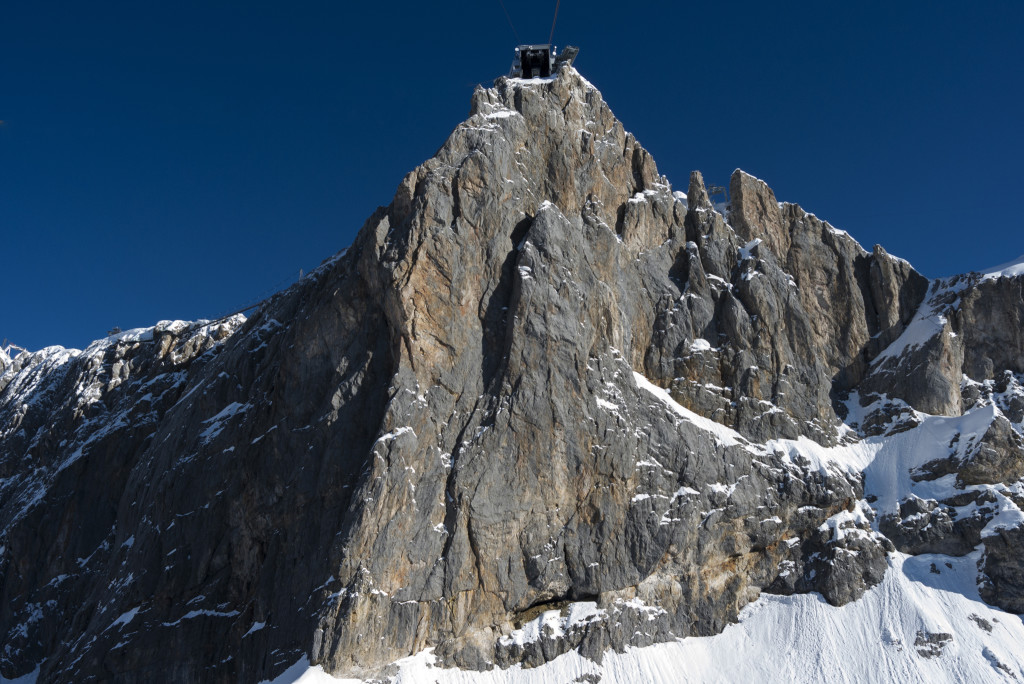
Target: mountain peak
{"points": [[543, 404]]}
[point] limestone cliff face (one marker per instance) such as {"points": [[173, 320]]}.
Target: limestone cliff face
{"points": [[779, 314], [969, 331], [539, 380]]}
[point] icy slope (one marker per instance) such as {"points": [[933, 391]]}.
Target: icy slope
{"points": [[1009, 269]]}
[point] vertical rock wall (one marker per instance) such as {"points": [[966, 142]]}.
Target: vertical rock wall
{"points": [[540, 382]]}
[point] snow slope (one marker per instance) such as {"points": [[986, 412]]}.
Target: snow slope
{"points": [[1009, 269]]}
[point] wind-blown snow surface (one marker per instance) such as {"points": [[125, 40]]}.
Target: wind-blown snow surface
{"points": [[1010, 268], [924, 623]]}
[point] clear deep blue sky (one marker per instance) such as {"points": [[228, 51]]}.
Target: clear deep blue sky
{"points": [[176, 160]]}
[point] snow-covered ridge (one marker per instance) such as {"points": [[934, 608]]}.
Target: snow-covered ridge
{"points": [[22, 375], [929, 320], [887, 461], [1007, 270], [34, 386], [133, 335]]}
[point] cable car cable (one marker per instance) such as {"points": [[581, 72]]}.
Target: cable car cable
{"points": [[551, 37], [511, 25]]}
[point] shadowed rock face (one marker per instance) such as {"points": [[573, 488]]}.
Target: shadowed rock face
{"points": [[539, 378]]}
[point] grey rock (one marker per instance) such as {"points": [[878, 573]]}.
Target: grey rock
{"points": [[994, 457], [425, 442], [446, 432], [925, 526], [841, 561], [5, 364], [926, 375], [755, 214], [1002, 570], [997, 457], [991, 318], [981, 622], [897, 291], [976, 324], [931, 644]]}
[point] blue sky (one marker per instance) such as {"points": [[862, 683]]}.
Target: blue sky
{"points": [[179, 160]]}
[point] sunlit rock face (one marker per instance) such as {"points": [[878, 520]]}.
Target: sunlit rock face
{"points": [[542, 403]]}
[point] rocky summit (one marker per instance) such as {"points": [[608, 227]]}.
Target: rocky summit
{"points": [[543, 410]]}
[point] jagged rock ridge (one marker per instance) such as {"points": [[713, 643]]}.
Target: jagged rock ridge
{"points": [[538, 381]]}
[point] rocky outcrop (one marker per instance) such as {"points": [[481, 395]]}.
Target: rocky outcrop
{"points": [[73, 431], [926, 526], [997, 457], [960, 356], [542, 403], [756, 215], [855, 303], [969, 327], [776, 318], [991, 320], [1003, 569]]}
